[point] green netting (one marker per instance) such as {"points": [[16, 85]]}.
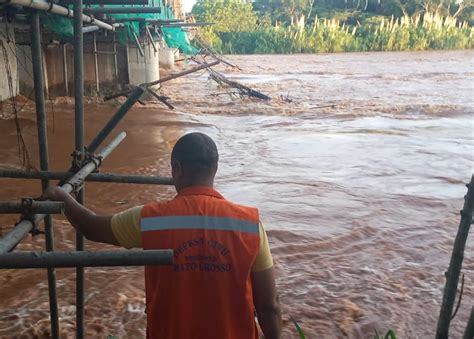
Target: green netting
{"points": [[175, 37], [58, 24]]}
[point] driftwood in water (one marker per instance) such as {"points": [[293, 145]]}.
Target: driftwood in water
{"points": [[455, 265], [241, 89], [165, 79]]}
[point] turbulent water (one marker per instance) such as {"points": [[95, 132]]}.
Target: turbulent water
{"points": [[358, 166]]}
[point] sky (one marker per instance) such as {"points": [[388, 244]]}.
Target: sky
{"points": [[188, 5]]}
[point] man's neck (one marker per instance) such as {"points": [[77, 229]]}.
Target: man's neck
{"points": [[197, 184]]}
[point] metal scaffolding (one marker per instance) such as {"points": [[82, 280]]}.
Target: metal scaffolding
{"points": [[31, 206], [85, 161], [85, 259]]}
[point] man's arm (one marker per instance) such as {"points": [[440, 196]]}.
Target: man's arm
{"points": [[266, 303], [94, 227]]}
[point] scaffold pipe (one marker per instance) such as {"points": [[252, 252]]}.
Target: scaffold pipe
{"points": [[9, 241], [122, 10], [31, 206], [115, 119], [94, 28], [107, 2], [93, 177], [86, 259], [50, 7]]}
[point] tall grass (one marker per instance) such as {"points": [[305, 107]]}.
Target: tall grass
{"points": [[420, 32]]}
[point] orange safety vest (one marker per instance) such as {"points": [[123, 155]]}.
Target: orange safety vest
{"points": [[207, 292]]}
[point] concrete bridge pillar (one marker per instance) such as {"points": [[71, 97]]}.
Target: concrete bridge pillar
{"points": [[167, 57], [8, 63], [143, 68]]}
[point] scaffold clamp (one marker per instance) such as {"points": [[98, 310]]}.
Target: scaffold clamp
{"points": [[26, 204]]}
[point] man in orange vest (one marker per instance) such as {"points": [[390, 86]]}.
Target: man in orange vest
{"points": [[223, 270]]}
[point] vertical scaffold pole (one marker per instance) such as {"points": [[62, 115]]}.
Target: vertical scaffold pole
{"points": [[37, 56], [79, 146], [66, 84], [115, 58], [96, 65]]}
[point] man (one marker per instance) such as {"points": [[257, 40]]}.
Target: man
{"points": [[223, 270]]}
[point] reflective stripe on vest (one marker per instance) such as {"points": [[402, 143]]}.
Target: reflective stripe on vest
{"points": [[198, 222]]}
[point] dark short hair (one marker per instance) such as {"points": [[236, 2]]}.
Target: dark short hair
{"points": [[197, 154]]}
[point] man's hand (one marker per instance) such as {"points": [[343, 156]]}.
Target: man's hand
{"points": [[94, 227], [54, 193]]}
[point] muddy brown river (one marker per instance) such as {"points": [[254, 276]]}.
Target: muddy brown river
{"points": [[358, 166]]}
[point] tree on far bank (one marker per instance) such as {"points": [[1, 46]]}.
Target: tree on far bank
{"points": [[284, 11], [226, 15]]}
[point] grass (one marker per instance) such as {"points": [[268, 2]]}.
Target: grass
{"points": [[389, 335], [298, 329], [420, 32]]}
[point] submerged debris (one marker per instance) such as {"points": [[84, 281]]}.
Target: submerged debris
{"points": [[234, 87]]}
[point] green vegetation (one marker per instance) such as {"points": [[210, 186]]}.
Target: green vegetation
{"points": [[298, 329], [389, 335], [266, 28]]}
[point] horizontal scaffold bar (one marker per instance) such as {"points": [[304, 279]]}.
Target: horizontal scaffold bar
{"points": [[122, 10], [188, 24], [86, 259], [105, 52], [59, 10], [90, 29], [107, 2], [93, 177], [153, 21], [11, 239], [31, 207], [94, 28]]}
